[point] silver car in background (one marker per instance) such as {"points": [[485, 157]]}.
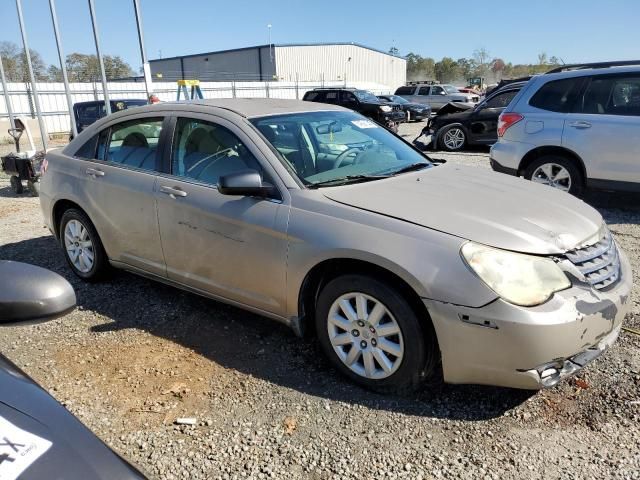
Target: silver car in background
{"points": [[317, 217], [436, 96], [575, 128]]}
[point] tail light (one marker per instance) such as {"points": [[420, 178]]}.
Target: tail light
{"points": [[43, 166], [507, 120]]}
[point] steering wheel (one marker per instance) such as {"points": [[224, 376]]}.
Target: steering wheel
{"points": [[343, 156]]}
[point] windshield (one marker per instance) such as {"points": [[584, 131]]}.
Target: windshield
{"points": [[450, 90], [396, 99], [365, 96], [322, 147]]}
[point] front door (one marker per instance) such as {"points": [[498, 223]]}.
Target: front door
{"points": [[229, 246], [603, 128], [438, 97], [119, 179], [484, 120]]}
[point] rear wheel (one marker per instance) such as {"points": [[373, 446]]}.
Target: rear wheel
{"points": [[82, 247], [373, 336], [453, 139], [16, 184], [558, 172]]}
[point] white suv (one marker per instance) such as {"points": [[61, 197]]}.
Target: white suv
{"points": [[574, 127]]}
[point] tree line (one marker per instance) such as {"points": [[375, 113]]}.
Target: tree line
{"points": [[80, 67], [481, 64]]}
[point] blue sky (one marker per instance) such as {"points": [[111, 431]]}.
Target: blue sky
{"points": [[573, 30]]}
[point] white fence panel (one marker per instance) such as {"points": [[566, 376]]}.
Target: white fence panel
{"points": [[53, 102]]}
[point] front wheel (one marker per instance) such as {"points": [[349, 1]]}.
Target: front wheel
{"points": [[373, 336], [558, 172], [453, 139]]}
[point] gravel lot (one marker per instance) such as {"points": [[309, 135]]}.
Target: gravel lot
{"points": [[136, 355]]}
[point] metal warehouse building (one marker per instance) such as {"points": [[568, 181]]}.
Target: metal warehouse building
{"points": [[350, 62]]}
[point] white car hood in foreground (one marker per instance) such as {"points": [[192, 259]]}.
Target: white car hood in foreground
{"points": [[480, 205]]}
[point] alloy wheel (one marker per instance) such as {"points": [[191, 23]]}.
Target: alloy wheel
{"points": [[454, 138], [554, 175], [365, 336], [79, 246]]}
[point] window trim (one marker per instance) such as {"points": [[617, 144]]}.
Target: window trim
{"points": [[128, 118], [248, 142], [587, 83]]}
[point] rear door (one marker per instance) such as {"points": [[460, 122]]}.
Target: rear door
{"points": [[229, 246], [422, 96], [117, 181], [438, 97], [603, 127]]}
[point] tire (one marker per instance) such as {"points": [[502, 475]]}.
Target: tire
{"points": [[34, 188], [558, 166], [415, 344], [74, 241], [16, 184], [453, 138]]}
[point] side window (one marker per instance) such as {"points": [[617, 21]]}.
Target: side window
{"points": [[312, 96], [437, 90], [205, 151], [405, 90], [88, 150], [618, 95], [424, 91], [349, 98], [331, 97], [501, 100], [133, 143], [558, 95]]}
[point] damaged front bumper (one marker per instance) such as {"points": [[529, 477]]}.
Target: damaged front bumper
{"points": [[530, 347]]}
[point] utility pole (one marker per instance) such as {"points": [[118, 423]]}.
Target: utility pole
{"points": [[148, 82], [105, 90], [63, 66], [43, 131]]}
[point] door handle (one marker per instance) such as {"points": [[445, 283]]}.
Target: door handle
{"points": [[173, 192], [94, 172], [580, 124]]}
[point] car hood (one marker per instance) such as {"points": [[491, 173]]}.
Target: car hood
{"points": [[480, 205]]}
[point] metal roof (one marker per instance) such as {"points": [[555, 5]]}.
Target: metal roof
{"points": [[275, 45]]}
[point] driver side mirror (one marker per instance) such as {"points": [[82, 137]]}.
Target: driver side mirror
{"points": [[33, 294], [247, 183]]}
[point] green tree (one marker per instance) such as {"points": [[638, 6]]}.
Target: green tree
{"points": [[14, 61], [86, 68], [446, 70], [419, 68]]}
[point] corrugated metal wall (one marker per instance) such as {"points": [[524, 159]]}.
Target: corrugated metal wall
{"points": [[249, 64], [359, 64]]}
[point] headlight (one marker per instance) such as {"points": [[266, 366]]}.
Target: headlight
{"points": [[524, 280], [386, 108]]}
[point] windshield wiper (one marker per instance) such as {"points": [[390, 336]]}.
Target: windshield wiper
{"points": [[346, 180], [411, 168]]}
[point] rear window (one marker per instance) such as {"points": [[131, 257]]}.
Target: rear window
{"points": [[405, 90], [312, 96], [88, 150], [557, 95]]}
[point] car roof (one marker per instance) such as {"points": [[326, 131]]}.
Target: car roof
{"points": [[245, 107], [583, 72], [98, 102]]}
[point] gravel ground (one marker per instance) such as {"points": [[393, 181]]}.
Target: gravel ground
{"points": [[136, 355]]}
